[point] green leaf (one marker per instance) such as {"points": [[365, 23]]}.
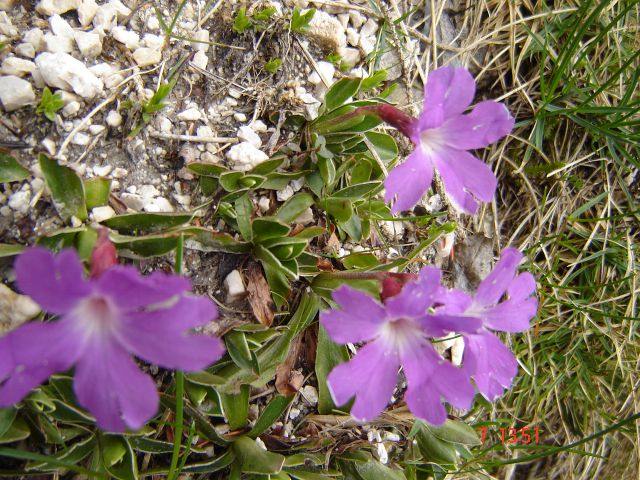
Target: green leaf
{"points": [[151, 445], [374, 80], [270, 415], [236, 407], [119, 458], [11, 170], [208, 169], [209, 241], [49, 104], [267, 166], [328, 355], [211, 465], [273, 65], [66, 189], [229, 180], [327, 169], [456, 432], [241, 22], [138, 223], [341, 91], [147, 245], [300, 21], [384, 145], [254, 459], [353, 227], [302, 474], [97, 191], [238, 349], [360, 260], [265, 228], [325, 283], [293, 207], [244, 209], [7, 416], [374, 470], [339, 208], [432, 448], [359, 191], [7, 250]]}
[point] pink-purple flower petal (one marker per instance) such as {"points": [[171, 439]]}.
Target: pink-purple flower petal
{"points": [[492, 288], [358, 319], [31, 353], [487, 123], [56, 283], [417, 296], [130, 290], [447, 93], [370, 376], [408, 181], [511, 315], [110, 385], [491, 364]]}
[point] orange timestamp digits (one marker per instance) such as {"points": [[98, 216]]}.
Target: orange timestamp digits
{"points": [[512, 436]]}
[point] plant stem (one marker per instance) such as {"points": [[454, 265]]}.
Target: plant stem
{"points": [[179, 377]]}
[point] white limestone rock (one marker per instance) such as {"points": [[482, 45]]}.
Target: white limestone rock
{"points": [[15, 93], [26, 50], [63, 71], [324, 74], [6, 26], [56, 7], [244, 156], [100, 214], [15, 309], [114, 119], [189, 115], [89, 44], [327, 31], [127, 37], [234, 286], [87, 11], [35, 37], [246, 134], [17, 66], [200, 60], [145, 56], [202, 36]]}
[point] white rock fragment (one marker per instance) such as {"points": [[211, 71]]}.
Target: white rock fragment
{"points": [[15, 309], [96, 129], [35, 37], [392, 230], [202, 44], [327, 31], [145, 56], [15, 93], [357, 19], [71, 109], [100, 214], [264, 204], [353, 37], [148, 192], [102, 171], [258, 126], [234, 286], [381, 453], [311, 104], [26, 50], [120, 172], [19, 201], [189, 115], [56, 7], [6, 27], [165, 124], [246, 134], [324, 74], [235, 93], [285, 194], [153, 23], [159, 204], [114, 119], [89, 44], [153, 41], [305, 218], [62, 38], [244, 156], [49, 145], [129, 38], [350, 56], [132, 201], [87, 11], [80, 138], [63, 71], [239, 117], [17, 66], [369, 28], [201, 60], [310, 394]]}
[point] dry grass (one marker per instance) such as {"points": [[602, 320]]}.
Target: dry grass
{"points": [[568, 197]]}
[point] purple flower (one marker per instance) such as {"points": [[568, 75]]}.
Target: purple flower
{"points": [[397, 334], [103, 321], [442, 135], [486, 359]]}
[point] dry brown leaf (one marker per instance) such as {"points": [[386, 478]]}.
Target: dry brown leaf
{"points": [[259, 294], [288, 380]]}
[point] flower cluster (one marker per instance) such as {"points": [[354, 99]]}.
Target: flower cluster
{"points": [[400, 331], [103, 321], [443, 134]]}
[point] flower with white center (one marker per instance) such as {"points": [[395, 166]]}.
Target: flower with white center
{"points": [[103, 321], [398, 333]]}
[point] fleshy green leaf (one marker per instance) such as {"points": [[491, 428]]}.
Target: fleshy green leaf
{"points": [[294, 206], [328, 355], [254, 459], [270, 415], [97, 191], [66, 189], [341, 91], [11, 170]]}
